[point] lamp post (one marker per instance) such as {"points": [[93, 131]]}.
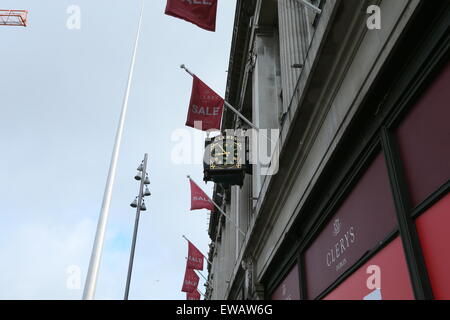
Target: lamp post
{"points": [[139, 204]]}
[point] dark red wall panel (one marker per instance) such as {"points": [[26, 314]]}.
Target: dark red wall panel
{"points": [[424, 139], [434, 234]]}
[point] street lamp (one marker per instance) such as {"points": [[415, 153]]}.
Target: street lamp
{"points": [[139, 204]]}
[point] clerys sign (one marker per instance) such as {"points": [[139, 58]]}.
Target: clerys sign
{"points": [[345, 239], [365, 218]]}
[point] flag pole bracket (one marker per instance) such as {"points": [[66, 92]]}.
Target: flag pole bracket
{"points": [[186, 69]]}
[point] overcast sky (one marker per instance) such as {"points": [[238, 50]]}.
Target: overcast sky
{"points": [[61, 93]]}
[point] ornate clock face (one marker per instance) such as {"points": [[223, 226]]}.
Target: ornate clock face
{"points": [[226, 152]]}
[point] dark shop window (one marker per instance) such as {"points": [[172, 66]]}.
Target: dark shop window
{"points": [[289, 289], [424, 140]]}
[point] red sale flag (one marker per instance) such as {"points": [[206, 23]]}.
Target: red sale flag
{"points": [[190, 282], [199, 199], [205, 107], [193, 295], [199, 12], [195, 258]]}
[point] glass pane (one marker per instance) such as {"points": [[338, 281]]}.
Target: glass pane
{"points": [[424, 139], [289, 289]]}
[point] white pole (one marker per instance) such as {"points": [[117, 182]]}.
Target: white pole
{"points": [[229, 219], [240, 115], [201, 293], [94, 264], [201, 274]]}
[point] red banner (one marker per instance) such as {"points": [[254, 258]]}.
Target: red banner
{"points": [[193, 295], [195, 258], [205, 107], [190, 282], [199, 199], [199, 12]]}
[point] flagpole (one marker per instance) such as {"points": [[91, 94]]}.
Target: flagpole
{"points": [[204, 297], [94, 264], [185, 238], [228, 105], [220, 209], [201, 275], [226, 216]]}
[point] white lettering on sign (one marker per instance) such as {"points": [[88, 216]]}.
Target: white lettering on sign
{"points": [[196, 260], [203, 2], [211, 97], [339, 249], [190, 283], [206, 111], [196, 198]]}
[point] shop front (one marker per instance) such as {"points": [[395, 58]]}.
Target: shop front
{"points": [[383, 232]]}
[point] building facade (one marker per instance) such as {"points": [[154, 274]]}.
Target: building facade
{"points": [[359, 207]]}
